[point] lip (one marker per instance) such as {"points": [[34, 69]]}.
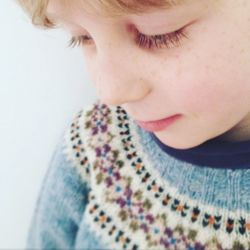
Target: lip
{"points": [[154, 126]]}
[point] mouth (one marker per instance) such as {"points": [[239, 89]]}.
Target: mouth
{"points": [[158, 125]]}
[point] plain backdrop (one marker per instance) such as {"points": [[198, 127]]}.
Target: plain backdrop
{"points": [[42, 84]]}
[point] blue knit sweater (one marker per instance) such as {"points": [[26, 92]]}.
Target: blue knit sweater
{"points": [[112, 185]]}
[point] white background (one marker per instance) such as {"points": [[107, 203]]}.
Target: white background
{"points": [[42, 84]]}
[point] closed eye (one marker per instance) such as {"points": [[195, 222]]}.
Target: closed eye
{"points": [[167, 40]]}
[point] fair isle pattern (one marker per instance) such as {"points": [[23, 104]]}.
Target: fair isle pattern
{"points": [[73, 147], [130, 205]]}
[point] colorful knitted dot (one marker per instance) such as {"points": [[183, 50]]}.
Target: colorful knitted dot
{"points": [[173, 241]]}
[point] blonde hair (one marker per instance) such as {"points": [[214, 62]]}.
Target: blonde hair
{"points": [[36, 9]]}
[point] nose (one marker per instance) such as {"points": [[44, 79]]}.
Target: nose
{"points": [[118, 77]]}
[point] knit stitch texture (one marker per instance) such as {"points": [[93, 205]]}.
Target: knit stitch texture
{"points": [[110, 186]]}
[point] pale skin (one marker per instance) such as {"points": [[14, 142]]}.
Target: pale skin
{"points": [[206, 79]]}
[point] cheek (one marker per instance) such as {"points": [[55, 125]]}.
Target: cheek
{"points": [[213, 76], [211, 93], [211, 84], [201, 97], [212, 106]]}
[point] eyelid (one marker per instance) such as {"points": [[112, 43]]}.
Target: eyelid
{"points": [[174, 37], [168, 40]]}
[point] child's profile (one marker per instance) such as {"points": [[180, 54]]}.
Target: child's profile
{"points": [[162, 159]]}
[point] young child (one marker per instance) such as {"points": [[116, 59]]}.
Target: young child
{"points": [[125, 177]]}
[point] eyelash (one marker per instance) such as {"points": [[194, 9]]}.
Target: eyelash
{"points": [[167, 40]]}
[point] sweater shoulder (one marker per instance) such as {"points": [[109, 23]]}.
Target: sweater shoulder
{"points": [[89, 128]]}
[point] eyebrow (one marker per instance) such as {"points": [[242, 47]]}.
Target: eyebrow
{"points": [[166, 4]]}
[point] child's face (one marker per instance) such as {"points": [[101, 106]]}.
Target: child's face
{"points": [[206, 79]]}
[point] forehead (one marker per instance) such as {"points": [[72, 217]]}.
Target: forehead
{"points": [[61, 9]]}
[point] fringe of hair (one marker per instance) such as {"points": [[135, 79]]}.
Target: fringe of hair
{"points": [[36, 10]]}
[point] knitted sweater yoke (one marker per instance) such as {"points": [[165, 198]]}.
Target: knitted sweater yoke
{"points": [[142, 198]]}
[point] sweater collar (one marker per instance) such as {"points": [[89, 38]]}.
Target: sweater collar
{"points": [[214, 153]]}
